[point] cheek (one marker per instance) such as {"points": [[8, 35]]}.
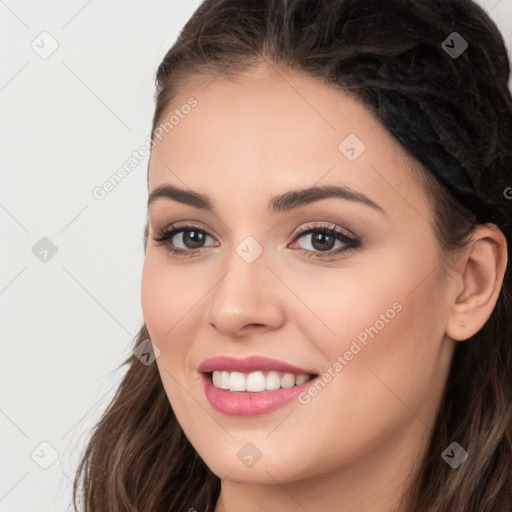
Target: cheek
{"points": [[402, 362], [168, 295], [398, 367], [350, 303], [387, 325]]}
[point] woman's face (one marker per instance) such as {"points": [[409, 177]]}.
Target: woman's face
{"points": [[364, 310]]}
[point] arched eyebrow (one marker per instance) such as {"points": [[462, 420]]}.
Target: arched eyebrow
{"points": [[282, 203]]}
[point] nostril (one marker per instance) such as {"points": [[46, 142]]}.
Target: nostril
{"points": [[251, 326]]}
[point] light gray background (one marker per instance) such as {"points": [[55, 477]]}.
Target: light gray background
{"points": [[68, 123]]}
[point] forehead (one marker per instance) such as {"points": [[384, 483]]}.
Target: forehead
{"points": [[268, 130]]}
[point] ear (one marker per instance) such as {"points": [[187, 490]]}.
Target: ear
{"points": [[478, 280]]}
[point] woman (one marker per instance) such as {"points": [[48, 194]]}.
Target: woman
{"points": [[325, 286]]}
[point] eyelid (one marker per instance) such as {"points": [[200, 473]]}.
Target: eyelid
{"points": [[184, 225], [323, 225], [301, 230]]}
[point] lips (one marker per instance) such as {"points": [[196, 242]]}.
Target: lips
{"points": [[248, 403], [250, 364]]}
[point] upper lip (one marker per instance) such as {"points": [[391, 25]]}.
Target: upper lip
{"points": [[250, 364]]}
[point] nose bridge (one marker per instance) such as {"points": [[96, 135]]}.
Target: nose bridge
{"points": [[244, 295]]}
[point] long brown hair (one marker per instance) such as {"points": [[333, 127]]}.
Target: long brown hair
{"points": [[459, 110]]}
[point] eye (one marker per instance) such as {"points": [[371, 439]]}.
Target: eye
{"points": [[189, 236], [325, 237]]}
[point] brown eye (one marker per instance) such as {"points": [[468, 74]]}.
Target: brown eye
{"points": [[323, 239], [182, 240]]}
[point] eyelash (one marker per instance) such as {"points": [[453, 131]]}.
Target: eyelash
{"points": [[351, 241]]}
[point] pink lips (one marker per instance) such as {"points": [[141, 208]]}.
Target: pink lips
{"points": [[249, 364], [246, 403]]}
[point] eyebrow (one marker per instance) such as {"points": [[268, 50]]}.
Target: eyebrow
{"points": [[281, 203]]}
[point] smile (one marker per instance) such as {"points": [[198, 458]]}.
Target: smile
{"points": [[252, 386], [256, 381]]}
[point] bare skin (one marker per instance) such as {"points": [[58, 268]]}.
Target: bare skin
{"points": [[354, 445]]}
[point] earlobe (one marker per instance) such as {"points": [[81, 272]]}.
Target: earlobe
{"points": [[481, 273]]}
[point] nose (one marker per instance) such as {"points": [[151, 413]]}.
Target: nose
{"points": [[247, 298]]}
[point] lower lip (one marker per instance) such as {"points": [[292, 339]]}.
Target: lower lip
{"points": [[246, 403]]}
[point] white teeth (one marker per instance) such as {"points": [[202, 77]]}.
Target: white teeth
{"points": [[236, 381], [256, 381], [288, 380], [273, 381], [224, 380], [301, 379], [221, 380]]}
